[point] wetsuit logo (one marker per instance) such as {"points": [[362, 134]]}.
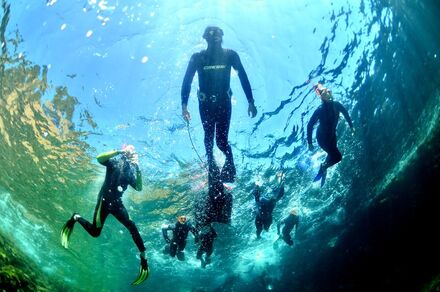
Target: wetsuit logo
{"points": [[214, 67]]}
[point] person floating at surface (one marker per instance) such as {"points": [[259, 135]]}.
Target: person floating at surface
{"points": [[328, 115], [180, 233], [289, 222], [122, 171], [206, 238], [213, 67], [265, 208]]}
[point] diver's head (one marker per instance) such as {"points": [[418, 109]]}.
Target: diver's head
{"points": [[294, 211], [323, 92], [181, 219], [128, 148], [213, 35]]}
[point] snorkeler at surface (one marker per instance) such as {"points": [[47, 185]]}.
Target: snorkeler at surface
{"points": [[206, 238], [213, 67], [289, 222], [328, 115], [180, 233], [122, 171], [265, 207]]}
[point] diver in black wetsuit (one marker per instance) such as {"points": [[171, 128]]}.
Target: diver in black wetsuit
{"points": [[265, 208], [216, 207], [180, 234], [213, 67], [122, 171], [328, 115], [206, 238], [289, 222]]}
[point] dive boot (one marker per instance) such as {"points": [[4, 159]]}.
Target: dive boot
{"points": [[144, 272], [67, 229]]}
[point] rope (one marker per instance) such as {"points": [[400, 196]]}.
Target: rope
{"points": [[192, 144]]}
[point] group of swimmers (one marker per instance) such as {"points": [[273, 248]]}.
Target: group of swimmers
{"points": [[213, 67]]}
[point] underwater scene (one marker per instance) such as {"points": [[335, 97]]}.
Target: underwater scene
{"points": [[166, 145]]}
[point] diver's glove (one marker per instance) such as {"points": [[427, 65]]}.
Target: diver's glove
{"points": [[144, 271]]}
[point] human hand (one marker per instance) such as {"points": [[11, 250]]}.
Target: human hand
{"points": [[281, 176], [185, 114], [134, 159], [252, 110]]}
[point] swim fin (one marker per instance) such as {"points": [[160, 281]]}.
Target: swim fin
{"points": [[322, 174], [144, 272], [228, 172], [323, 177], [66, 231]]}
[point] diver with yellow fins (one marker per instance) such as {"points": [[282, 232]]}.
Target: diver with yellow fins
{"points": [[122, 171]]}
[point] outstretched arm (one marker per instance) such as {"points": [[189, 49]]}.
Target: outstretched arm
{"points": [[310, 126], [245, 84], [346, 115], [138, 186], [165, 232], [279, 225], [186, 87], [257, 193], [105, 156], [280, 192]]}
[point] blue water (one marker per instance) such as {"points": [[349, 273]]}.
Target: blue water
{"points": [[120, 66]]}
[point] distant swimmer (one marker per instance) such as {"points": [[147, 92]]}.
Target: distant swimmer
{"points": [[216, 207], [122, 171], [213, 67], [265, 206], [291, 221], [206, 238], [328, 115], [180, 233]]}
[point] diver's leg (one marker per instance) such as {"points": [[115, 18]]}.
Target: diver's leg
{"points": [[335, 155], [287, 239], [208, 124], [173, 248], [267, 222], [199, 252], [222, 133], [121, 214], [99, 216], [259, 226]]}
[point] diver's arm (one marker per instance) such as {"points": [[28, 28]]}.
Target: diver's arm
{"points": [[279, 225], [346, 115], [138, 186], [311, 124], [245, 84], [256, 193], [165, 232], [105, 156], [280, 192], [187, 80]]}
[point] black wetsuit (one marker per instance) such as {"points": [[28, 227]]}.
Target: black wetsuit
{"points": [[120, 173], [328, 115], [265, 208], [206, 237], [219, 204], [180, 233], [289, 222], [214, 73]]}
